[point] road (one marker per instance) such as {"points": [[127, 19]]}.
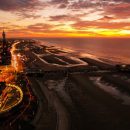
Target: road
{"points": [[62, 115]]}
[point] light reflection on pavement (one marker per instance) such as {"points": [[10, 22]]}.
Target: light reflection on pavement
{"points": [[12, 95]]}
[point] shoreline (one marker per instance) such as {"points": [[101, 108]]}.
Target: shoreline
{"points": [[81, 55], [89, 59], [113, 59], [71, 91]]}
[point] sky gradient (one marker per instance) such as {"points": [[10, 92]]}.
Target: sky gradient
{"points": [[65, 18]]}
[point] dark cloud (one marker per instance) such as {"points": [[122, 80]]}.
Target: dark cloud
{"points": [[83, 4], [79, 5], [63, 5], [23, 8], [73, 4], [126, 1], [40, 27], [29, 15], [15, 5], [106, 18], [64, 18], [59, 1], [121, 10], [117, 1]]}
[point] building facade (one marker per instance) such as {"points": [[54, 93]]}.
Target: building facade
{"points": [[5, 51]]}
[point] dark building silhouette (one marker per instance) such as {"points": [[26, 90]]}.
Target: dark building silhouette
{"points": [[2, 87], [5, 51]]}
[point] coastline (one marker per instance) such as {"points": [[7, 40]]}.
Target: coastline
{"points": [[86, 57], [75, 89], [110, 59]]}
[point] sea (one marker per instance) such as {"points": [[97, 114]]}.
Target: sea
{"points": [[114, 50]]}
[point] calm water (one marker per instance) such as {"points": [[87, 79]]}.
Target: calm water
{"points": [[117, 50]]}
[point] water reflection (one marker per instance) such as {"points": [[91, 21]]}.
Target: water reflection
{"points": [[114, 49]]}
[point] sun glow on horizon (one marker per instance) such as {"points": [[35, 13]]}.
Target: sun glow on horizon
{"points": [[69, 18]]}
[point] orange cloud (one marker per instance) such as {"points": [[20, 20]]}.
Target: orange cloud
{"points": [[70, 18]]}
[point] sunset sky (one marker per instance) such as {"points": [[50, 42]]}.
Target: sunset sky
{"points": [[65, 18]]}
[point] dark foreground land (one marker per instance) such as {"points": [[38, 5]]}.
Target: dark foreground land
{"points": [[73, 94]]}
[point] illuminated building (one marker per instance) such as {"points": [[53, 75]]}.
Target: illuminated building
{"points": [[5, 52]]}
